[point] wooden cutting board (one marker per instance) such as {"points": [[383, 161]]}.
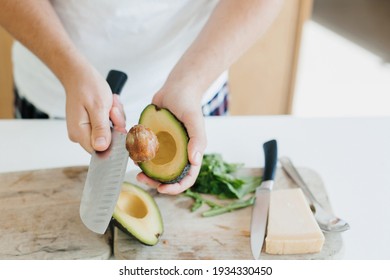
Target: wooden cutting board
{"points": [[39, 217], [189, 236]]}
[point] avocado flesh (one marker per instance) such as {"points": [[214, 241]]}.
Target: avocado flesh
{"points": [[171, 162], [137, 214]]}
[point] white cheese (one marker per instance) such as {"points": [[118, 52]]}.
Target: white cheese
{"points": [[292, 228]]}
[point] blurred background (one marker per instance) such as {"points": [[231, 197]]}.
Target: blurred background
{"points": [[320, 58], [344, 67]]}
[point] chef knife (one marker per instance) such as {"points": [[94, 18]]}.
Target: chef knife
{"points": [[263, 194], [105, 173]]}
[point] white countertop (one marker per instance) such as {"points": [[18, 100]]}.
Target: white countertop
{"points": [[352, 155]]}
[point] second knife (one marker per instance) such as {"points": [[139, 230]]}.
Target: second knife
{"points": [[263, 194]]}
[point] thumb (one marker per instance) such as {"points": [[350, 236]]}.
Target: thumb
{"points": [[198, 141], [101, 134], [196, 147]]}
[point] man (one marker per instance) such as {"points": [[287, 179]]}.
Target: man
{"points": [[175, 52]]}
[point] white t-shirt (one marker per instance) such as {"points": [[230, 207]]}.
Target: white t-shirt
{"points": [[143, 38]]}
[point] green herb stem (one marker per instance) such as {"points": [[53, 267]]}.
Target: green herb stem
{"points": [[199, 200], [228, 208]]}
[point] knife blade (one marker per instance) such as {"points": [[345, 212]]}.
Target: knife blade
{"points": [[105, 173], [263, 194]]}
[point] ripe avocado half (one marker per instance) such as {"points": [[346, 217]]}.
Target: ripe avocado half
{"points": [[170, 164], [137, 214]]}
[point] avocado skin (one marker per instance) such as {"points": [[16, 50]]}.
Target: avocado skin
{"points": [[117, 224], [184, 173], [180, 177]]}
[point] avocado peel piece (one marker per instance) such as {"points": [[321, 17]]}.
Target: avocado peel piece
{"points": [[170, 164], [137, 214]]}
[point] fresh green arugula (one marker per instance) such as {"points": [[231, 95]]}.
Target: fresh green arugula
{"points": [[220, 179]]}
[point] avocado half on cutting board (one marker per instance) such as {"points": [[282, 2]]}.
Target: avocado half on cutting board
{"points": [[137, 214], [171, 163]]}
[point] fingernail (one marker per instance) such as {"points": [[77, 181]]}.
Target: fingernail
{"points": [[197, 158], [100, 142]]}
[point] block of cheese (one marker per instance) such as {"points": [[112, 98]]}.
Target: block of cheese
{"points": [[292, 228]]}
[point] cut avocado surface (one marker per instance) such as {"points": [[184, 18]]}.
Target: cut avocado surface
{"points": [[171, 163], [137, 214]]}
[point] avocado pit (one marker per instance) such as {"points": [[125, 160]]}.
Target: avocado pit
{"points": [[141, 143]]}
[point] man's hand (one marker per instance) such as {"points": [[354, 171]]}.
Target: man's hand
{"points": [[187, 109], [89, 107]]}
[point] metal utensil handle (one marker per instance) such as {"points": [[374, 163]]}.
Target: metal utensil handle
{"points": [[271, 159], [293, 173]]}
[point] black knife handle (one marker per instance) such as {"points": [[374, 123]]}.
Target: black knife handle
{"points": [[271, 159], [116, 80]]}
